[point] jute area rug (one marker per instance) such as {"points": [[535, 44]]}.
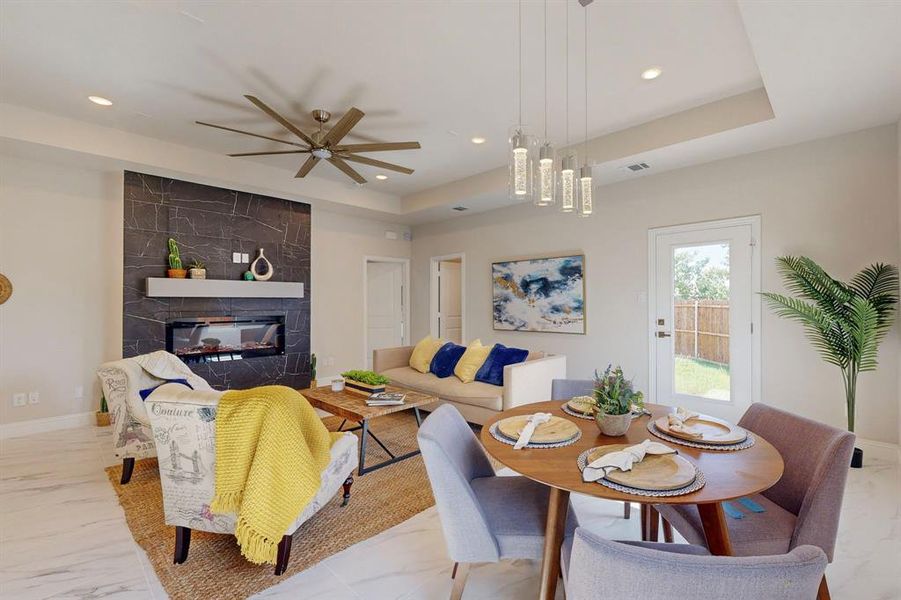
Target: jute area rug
{"points": [[215, 568]]}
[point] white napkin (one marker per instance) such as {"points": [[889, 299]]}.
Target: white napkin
{"points": [[527, 431], [677, 422], [622, 459]]}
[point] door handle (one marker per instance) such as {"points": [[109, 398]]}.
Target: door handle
{"points": [[663, 334]]}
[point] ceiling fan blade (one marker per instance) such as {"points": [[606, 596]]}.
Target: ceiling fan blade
{"points": [[265, 137], [342, 127], [280, 119], [346, 168], [307, 166], [376, 163], [274, 152], [378, 147]]}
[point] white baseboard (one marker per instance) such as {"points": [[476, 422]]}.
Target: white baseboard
{"points": [[881, 451], [22, 428]]}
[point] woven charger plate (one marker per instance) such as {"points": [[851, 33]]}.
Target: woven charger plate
{"points": [[657, 472], [652, 427], [712, 430], [556, 430], [6, 288], [694, 486], [565, 407]]}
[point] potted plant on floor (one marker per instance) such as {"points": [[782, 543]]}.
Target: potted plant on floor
{"points": [[176, 271], [614, 397], [844, 321], [197, 270], [103, 413], [365, 382]]}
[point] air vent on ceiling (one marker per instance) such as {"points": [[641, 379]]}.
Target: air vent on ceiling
{"points": [[460, 208], [638, 167]]}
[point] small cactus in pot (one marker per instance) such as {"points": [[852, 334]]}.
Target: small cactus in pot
{"points": [[176, 270], [313, 370]]}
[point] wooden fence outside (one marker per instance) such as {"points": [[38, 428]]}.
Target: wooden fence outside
{"points": [[702, 329]]}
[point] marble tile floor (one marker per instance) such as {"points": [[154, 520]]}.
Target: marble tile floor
{"points": [[63, 535]]}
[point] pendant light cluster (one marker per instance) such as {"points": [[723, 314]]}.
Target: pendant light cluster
{"points": [[535, 173]]}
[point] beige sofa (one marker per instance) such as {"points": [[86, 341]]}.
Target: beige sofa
{"points": [[524, 383]]}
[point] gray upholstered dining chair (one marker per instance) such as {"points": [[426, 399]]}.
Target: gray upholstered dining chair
{"points": [[485, 517], [803, 507], [594, 567], [565, 389]]}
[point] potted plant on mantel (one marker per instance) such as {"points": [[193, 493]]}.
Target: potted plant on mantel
{"points": [[365, 382], [197, 270], [176, 270], [614, 397], [844, 321]]}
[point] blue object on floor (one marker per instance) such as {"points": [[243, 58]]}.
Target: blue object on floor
{"points": [[732, 511], [751, 505]]}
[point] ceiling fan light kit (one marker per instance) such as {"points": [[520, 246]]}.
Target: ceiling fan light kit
{"points": [[324, 145]]}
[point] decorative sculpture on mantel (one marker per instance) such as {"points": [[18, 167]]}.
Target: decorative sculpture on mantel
{"points": [[255, 267]]}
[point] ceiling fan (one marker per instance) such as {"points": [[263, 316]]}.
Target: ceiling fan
{"points": [[325, 145]]}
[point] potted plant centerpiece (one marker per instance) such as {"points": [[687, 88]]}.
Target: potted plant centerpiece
{"points": [[197, 270], [176, 270], [365, 382], [844, 321], [614, 398]]}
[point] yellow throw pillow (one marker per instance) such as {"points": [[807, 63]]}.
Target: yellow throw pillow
{"points": [[471, 361], [424, 352]]}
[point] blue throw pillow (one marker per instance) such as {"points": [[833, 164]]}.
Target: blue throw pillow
{"points": [[492, 371], [446, 359], [148, 391]]}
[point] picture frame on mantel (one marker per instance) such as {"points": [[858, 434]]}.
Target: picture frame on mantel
{"points": [[544, 295]]}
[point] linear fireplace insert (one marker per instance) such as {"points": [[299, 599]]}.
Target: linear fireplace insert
{"points": [[214, 339]]}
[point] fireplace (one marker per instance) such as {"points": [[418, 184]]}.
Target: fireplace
{"points": [[217, 339]]}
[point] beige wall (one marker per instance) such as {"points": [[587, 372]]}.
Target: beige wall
{"points": [[834, 199], [61, 246]]}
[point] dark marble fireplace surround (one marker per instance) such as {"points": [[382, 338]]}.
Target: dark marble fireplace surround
{"points": [[210, 224]]}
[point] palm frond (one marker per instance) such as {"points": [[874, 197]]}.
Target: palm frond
{"points": [[877, 280], [865, 349], [826, 333], [807, 279]]}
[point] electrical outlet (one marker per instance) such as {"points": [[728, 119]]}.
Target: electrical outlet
{"points": [[19, 399], [34, 397], [245, 258], [236, 257], [79, 392]]}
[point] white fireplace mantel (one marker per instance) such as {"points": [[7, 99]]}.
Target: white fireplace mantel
{"points": [[164, 287]]}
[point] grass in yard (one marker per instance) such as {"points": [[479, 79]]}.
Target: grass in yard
{"points": [[698, 377]]}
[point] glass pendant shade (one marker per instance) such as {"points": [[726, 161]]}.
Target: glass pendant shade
{"points": [[585, 207], [568, 189], [523, 149], [546, 176]]}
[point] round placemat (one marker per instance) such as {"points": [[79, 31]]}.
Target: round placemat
{"points": [[565, 408], [553, 431], [500, 437], [652, 427], [692, 487], [6, 288]]}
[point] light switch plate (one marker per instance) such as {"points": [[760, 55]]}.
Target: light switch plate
{"points": [[245, 258], [19, 400], [34, 397], [236, 257]]}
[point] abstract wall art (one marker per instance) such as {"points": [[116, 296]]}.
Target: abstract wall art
{"points": [[540, 294]]}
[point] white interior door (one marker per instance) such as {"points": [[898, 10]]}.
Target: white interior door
{"points": [[450, 302], [384, 306], [702, 329]]}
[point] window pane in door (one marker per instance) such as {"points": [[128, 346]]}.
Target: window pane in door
{"points": [[701, 321]]}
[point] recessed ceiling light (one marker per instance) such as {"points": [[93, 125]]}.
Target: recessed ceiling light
{"points": [[651, 73], [478, 140], [100, 100], [382, 177]]}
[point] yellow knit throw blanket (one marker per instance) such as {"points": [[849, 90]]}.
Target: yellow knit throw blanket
{"points": [[271, 449]]}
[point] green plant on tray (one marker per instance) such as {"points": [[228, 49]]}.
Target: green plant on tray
{"points": [[367, 377]]}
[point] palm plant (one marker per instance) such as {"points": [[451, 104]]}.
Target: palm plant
{"points": [[845, 321]]}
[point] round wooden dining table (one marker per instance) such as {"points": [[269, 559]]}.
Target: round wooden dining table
{"points": [[728, 475]]}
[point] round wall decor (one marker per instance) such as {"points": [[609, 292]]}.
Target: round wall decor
{"points": [[6, 288]]}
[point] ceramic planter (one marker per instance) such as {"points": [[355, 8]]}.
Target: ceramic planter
{"points": [[177, 273], [613, 425], [197, 273]]}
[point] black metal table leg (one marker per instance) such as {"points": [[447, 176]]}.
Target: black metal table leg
{"points": [[364, 426], [418, 416], [365, 433]]}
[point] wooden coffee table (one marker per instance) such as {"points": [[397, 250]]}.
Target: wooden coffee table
{"points": [[351, 406]]}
